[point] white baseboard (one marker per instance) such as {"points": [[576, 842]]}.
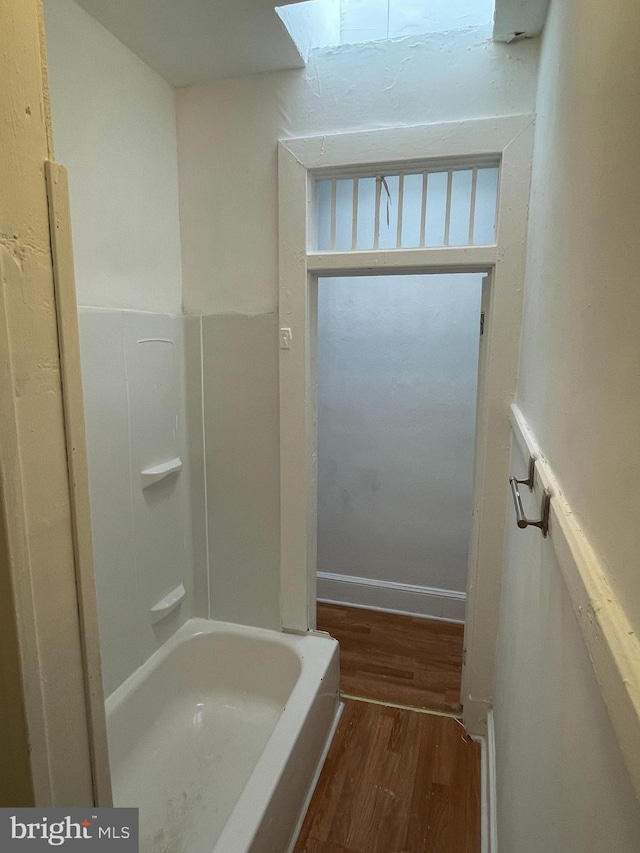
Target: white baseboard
{"points": [[488, 828], [491, 790], [393, 597]]}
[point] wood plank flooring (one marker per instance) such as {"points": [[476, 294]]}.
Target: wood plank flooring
{"points": [[396, 781], [394, 658]]}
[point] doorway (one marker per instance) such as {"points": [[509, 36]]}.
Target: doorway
{"points": [[303, 164], [397, 368]]}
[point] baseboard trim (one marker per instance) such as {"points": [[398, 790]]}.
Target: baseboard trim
{"points": [[492, 792], [488, 792], [392, 597]]}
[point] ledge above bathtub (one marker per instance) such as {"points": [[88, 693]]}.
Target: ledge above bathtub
{"points": [[167, 604], [156, 473]]}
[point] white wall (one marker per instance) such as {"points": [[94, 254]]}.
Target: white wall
{"points": [[114, 129], [227, 143], [397, 380], [582, 298], [228, 132], [578, 388], [561, 780], [242, 452], [312, 24]]}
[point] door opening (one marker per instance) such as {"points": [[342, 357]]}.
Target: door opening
{"points": [[397, 368]]}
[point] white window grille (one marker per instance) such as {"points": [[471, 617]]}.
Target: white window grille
{"points": [[454, 206]]}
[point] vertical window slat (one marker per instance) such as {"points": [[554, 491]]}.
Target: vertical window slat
{"points": [[423, 211], [472, 212], [400, 207], [354, 226], [447, 214], [333, 215], [376, 227]]}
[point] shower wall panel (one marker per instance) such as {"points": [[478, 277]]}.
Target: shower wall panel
{"points": [[133, 366]]}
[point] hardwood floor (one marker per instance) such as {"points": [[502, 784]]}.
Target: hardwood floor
{"points": [[399, 659], [396, 780]]}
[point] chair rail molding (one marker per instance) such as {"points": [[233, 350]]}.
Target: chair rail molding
{"points": [[613, 646]]}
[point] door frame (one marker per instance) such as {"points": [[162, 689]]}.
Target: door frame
{"points": [[509, 141]]}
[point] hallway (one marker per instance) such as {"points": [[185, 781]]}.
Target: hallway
{"points": [[396, 780]]}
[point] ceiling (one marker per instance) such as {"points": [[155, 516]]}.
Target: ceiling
{"points": [[196, 41], [189, 42]]}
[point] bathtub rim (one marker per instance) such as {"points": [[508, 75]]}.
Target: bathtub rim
{"points": [[314, 701], [195, 627]]}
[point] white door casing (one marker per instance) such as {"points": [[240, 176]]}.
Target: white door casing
{"points": [[508, 140]]}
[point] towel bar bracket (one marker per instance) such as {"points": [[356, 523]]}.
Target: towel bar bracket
{"points": [[531, 474], [521, 520]]}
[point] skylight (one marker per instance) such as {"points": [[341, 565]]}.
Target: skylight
{"points": [[329, 23]]}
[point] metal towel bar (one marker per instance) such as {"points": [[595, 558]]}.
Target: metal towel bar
{"points": [[521, 520]]}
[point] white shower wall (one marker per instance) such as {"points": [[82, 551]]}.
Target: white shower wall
{"points": [[135, 412], [114, 129]]}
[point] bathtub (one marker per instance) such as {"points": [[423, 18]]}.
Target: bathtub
{"points": [[219, 737]]}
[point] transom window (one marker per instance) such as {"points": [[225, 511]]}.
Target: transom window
{"points": [[453, 206]]}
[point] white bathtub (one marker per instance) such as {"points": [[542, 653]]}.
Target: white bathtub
{"points": [[219, 736]]}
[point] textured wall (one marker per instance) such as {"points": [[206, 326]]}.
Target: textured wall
{"points": [[228, 134]]}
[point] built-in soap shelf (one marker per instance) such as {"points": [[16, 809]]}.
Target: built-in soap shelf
{"points": [[156, 473], [163, 607]]}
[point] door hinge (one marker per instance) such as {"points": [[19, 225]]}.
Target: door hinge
{"points": [[481, 323]]}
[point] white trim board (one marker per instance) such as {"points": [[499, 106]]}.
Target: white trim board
{"points": [[492, 792], [488, 792], [411, 599], [613, 646]]}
